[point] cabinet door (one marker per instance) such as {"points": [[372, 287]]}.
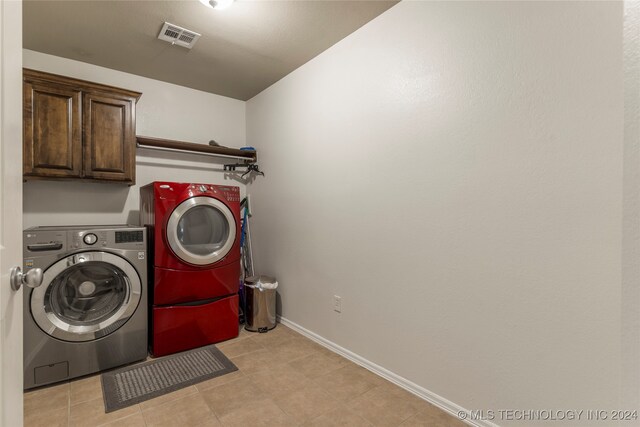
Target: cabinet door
{"points": [[52, 130], [109, 137]]}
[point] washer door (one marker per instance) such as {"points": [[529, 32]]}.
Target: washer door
{"points": [[86, 296], [201, 230]]}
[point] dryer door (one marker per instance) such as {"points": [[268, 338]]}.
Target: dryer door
{"points": [[86, 296], [201, 230]]}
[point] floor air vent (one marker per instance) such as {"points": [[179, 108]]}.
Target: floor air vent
{"points": [[178, 35]]}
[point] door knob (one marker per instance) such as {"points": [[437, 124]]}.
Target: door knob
{"points": [[32, 278]]}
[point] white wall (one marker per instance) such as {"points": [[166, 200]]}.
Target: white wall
{"points": [[630, 368], [453, 170], [165, 111]]}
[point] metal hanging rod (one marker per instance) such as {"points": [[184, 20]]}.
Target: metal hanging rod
{"points": [[191, 148], [177, 150]]}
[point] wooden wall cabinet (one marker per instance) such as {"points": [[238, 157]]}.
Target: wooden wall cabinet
{"points": [[74, 129]]}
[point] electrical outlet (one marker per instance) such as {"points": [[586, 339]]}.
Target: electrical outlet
{"points": [[337, 303]]}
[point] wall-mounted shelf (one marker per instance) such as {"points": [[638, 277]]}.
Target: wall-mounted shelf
{"points": [[190, 147]]}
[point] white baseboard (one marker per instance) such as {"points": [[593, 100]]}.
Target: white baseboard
{"points": [[411, 387]]}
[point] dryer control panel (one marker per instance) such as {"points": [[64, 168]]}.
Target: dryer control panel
{"points": [[229, 192], [232, 193]]}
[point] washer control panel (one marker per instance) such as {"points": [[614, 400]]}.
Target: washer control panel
{"points": [[129, 236], [90, 238], [39, 242]]}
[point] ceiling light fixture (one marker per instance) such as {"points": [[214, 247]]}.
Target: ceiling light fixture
{"points": [[217, 4]]}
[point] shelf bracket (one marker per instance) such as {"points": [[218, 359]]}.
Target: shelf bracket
{"points": [[251, 167]]}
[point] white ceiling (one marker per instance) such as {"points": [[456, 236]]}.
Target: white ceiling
{"points": [[242, 51]]}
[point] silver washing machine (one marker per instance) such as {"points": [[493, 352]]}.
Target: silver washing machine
{"points": [[90, 312]]}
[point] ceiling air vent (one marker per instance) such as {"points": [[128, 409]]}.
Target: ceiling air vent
{"points": [[178, 35]]}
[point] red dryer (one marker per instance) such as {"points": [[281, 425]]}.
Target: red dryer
{"points": [[194, 236]]}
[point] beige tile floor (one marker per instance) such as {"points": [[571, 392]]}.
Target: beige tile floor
{"points": [[284, 379]]}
